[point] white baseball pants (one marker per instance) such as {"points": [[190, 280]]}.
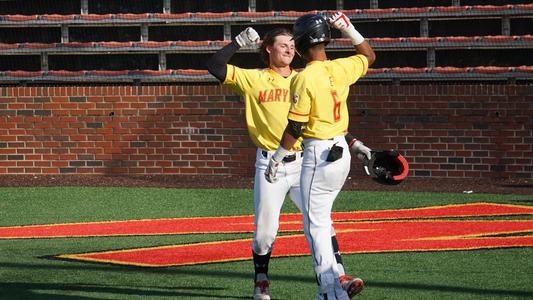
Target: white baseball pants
{"points": [[320, 183], [269, 198]]}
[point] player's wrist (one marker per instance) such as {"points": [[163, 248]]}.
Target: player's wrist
{"points": [[354, 35], [239, 41], [350, 139], [280, 154]]}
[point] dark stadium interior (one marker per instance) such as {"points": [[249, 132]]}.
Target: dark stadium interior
{"points": [[108, 33], [103, 62], [32, 32], [192, 33], [483, 57], [386, 28], [12, 35], [468, 27], [296, 5], [31, 7], [521, 26], [130, 6], [20, 62], [181, 6]]}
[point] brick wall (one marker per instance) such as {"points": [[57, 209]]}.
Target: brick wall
{"points": [[443, 130], [450, 130]]}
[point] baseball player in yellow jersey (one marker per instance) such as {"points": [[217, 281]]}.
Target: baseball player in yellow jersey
{"points": [[267, 102], [319, 114]]}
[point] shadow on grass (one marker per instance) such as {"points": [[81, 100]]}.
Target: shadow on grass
{"points": [[22, 290], [526, 201], [26, 290], [182, 270], [448, 289]]}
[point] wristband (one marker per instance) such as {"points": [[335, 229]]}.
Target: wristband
{"points": [[280, 154], [350, 139], [354, 35]]}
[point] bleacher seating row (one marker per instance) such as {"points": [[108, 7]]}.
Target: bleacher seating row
{"points": [[382, 74], [423, 16], [425, 43], [335, 44], [277, 16]]}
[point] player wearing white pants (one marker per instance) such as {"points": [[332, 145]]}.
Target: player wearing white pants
{"points": [[319, 114], [321, 181], [269, 198], [267, 102]]}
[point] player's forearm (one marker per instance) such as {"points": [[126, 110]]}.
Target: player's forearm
{"points": [[217, 64], [341, 22], [365, 49], [286, 143], [287, 140]]}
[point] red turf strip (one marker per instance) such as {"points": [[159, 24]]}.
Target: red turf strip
{"points": [[235, 224], [357, 232]]}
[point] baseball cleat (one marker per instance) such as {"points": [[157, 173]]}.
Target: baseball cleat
{"points": [[261, 291], [352, 286]]}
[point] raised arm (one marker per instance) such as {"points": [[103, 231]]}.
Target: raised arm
{"points": [[217, 64], [341, 22]]}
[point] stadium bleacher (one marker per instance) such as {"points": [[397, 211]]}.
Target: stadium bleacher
{"points": [[168, 41]]}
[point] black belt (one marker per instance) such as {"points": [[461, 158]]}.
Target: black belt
{"points": [[287, 159]]}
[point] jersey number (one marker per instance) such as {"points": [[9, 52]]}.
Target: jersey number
{"points": [[336, 107]]}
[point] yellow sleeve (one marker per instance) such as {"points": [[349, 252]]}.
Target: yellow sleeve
{"points": [[353, 67], [301, 97], [238, 79]]}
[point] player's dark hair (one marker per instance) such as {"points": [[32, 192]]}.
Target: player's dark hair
{"points": [[269, 39]]}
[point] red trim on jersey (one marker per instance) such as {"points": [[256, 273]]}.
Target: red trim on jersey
{"points": [[233, 74], [303, 115]]}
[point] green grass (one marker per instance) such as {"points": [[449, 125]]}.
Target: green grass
{"points": [[27, 270]]}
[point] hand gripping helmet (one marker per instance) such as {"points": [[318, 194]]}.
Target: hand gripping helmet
{"points": [[310, 30], [387, 167]]}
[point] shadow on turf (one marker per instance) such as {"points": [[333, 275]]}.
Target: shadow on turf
{"points": [[26, 288], [448, 289], [21, 290], [182, 270], [527, 201], [99, 266]]}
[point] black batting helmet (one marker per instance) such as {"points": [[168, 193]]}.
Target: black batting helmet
{"points": [[387, 167], [310, 30]]}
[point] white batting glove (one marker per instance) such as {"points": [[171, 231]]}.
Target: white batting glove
{"points": [[247, 37], [341, 22], [360, 150], [271, 171]]}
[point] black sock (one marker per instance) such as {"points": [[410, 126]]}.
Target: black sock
{"points": [[261, 263], [336, 250]]}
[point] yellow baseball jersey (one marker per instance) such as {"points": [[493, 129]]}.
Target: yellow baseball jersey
{"points": [[319, 94], [267, 102]]}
